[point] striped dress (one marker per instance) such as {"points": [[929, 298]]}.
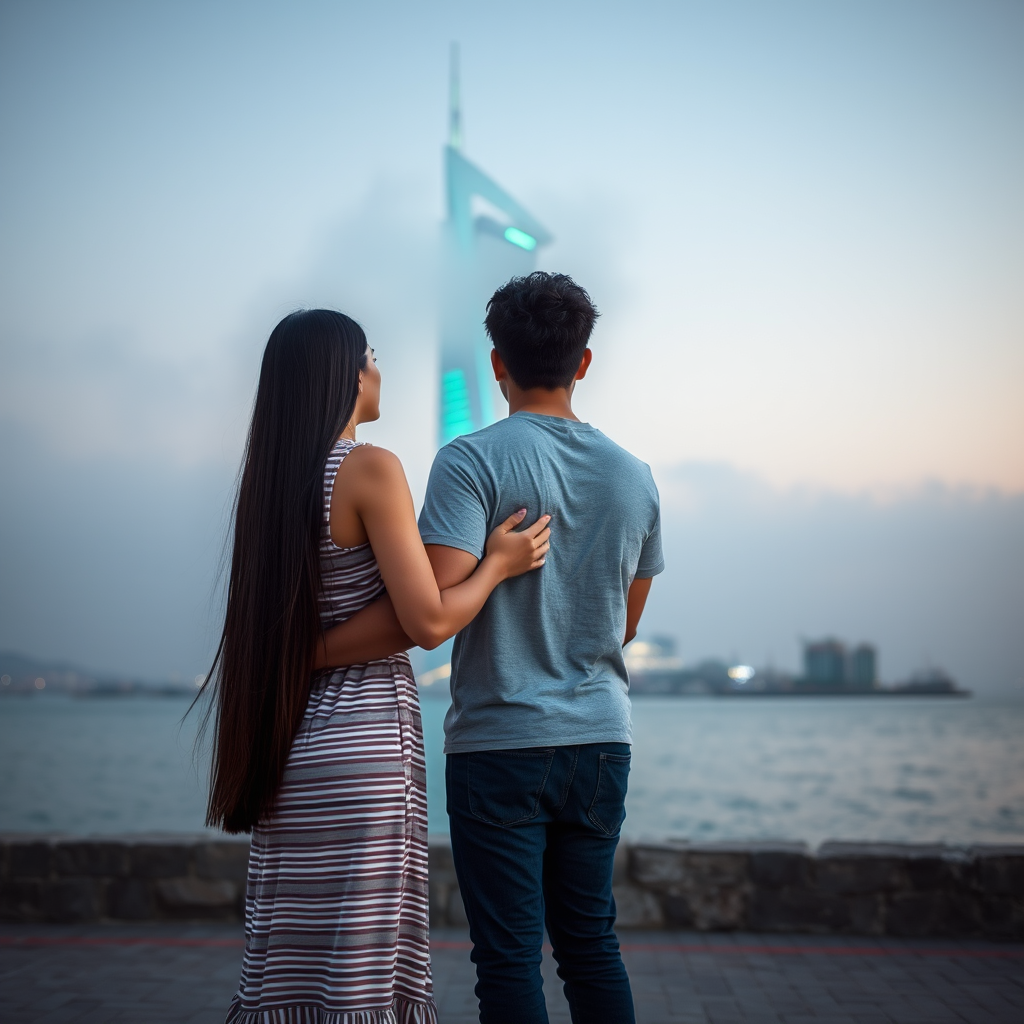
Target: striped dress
{"points": [[336, 909]]}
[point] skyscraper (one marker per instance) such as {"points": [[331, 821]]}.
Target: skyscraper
{"points": [[829, 664], [488, 238], [825, 663], [862, 670]]}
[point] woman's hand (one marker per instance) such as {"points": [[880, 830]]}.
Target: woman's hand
{"points": [[515, 553]]}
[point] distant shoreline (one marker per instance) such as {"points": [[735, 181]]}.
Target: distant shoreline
{"points": [[432, 693], [828, 694], [101, 693]]}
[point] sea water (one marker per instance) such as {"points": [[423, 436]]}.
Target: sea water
{"points": [[913, 769]]}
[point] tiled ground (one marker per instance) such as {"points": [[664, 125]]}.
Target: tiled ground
{"points": [[182, 973]]}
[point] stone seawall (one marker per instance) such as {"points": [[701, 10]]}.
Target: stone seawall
{"points": [[843, 888]]}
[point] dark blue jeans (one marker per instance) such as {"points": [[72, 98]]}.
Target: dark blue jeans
{"points": [[534, 833]]}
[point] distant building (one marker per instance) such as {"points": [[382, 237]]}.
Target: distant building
{"points": [[656, 669], [830, 665], [825, 663], [655, 655], [862, 668], [488, 238], [831, 669]]}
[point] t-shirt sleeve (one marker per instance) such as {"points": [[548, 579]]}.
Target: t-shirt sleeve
{"points": [[454, 512], [652, 560]]}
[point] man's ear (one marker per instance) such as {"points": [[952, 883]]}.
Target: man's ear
{"points": [[500, 373], [584, 364]]}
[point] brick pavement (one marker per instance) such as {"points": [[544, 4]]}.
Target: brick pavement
{"points": [[157, 973]]}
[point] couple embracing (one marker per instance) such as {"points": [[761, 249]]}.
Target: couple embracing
{"points": [[535, 548]]}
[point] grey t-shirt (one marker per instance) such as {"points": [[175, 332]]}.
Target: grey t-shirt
{"points": [[541, 665]]}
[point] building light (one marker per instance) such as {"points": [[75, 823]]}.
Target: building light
{"points": [[456, 416], [741, 673], [520, 238]]}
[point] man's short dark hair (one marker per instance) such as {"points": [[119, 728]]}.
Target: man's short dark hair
{"points": [[540, 326]]}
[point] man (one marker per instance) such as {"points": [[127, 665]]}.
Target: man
{"points": [[537, 736]]}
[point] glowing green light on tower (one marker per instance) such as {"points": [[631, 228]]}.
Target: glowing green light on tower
{"points": [[456, 416], [520, 238]]}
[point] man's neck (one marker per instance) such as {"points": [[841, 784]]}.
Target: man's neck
{"points": [[542, 401]]}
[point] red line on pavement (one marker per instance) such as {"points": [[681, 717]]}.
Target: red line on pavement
{"points": [[737, 950], [627, 947], [114, 940], [654, 947]]}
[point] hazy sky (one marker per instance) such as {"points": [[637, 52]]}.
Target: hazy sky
{"points": [[804, 224]]}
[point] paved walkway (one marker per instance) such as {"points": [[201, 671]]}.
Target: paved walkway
{"points": [[185, 974]]}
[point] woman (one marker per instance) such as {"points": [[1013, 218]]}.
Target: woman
{"points": [[326, 769]]}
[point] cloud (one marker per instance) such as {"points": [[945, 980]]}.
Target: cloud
{"points": [[930, 574], [127, 392], [119, 452], [109, 561], [112, 562], [112, 395]]}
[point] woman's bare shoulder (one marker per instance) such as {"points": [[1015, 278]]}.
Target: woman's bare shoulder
{"points": [[369, 483], [372, 464]]}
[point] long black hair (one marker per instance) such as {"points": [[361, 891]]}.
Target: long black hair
{"points": [[309, 382]]}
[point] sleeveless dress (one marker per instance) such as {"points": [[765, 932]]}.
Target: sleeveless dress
{"points": [[336, 906]]}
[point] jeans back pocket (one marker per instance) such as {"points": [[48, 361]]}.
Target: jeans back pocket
{"points": [[505, 786], [608, 808]]}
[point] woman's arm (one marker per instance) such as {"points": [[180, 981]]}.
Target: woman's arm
{"points": [[375, 632], [371, 634], [377, 491]]}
